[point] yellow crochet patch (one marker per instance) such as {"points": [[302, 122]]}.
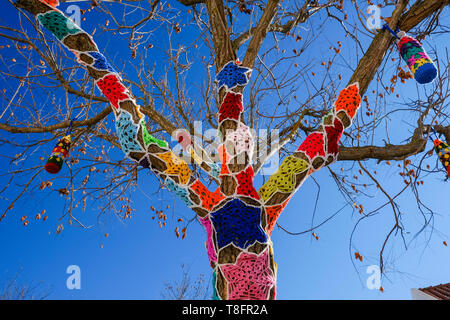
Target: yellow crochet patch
{"points": [[176, 166], [418, 64], [284, 179]]}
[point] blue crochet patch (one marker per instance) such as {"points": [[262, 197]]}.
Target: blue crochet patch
{"points": [[238, 223], [127, 132], [232, 75], [426, 73], [100, 62], [215, 169], [215, 296], [182, 193]]}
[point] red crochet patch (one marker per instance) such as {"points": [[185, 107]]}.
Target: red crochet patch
{"points": [[53, 3], [334, 134], [113, 90], [231, 106], [223, 159], [245, 184], [313, 145]]}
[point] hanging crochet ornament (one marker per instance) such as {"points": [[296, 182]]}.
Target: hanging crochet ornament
{"points": [[443, 151], [59, 153], [420, 64]]}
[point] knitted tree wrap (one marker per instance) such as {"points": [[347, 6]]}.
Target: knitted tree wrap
{"points": [[131, 129], [237, 219]]}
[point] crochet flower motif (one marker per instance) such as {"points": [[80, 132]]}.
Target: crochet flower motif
{"points": [[250, 278], [182, 193], [100, 62], [127, 133], [238, 223]]}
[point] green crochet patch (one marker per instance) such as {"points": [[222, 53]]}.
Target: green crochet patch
{"points": [[58, 24], [214, 278], [148, 138]]}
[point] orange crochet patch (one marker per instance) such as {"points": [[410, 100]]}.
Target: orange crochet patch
{"points": [[349, 100], [272, 214], [223, 159], [208, 199], [53, 3]]}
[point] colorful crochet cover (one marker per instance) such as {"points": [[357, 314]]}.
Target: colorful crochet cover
{"points": [[420, 64], [443, 151], [132, 133], [237, 218], [318, 149], [59, 153]]}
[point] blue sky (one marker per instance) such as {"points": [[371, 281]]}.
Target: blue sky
{"points": [[138, 257]]}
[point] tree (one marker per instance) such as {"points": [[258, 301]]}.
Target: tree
{"points": [[238, 218], [187, 288], [13, 290]]}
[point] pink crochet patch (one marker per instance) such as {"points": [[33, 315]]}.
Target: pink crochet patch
{"points": [[250, 278], [209, 244]]}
